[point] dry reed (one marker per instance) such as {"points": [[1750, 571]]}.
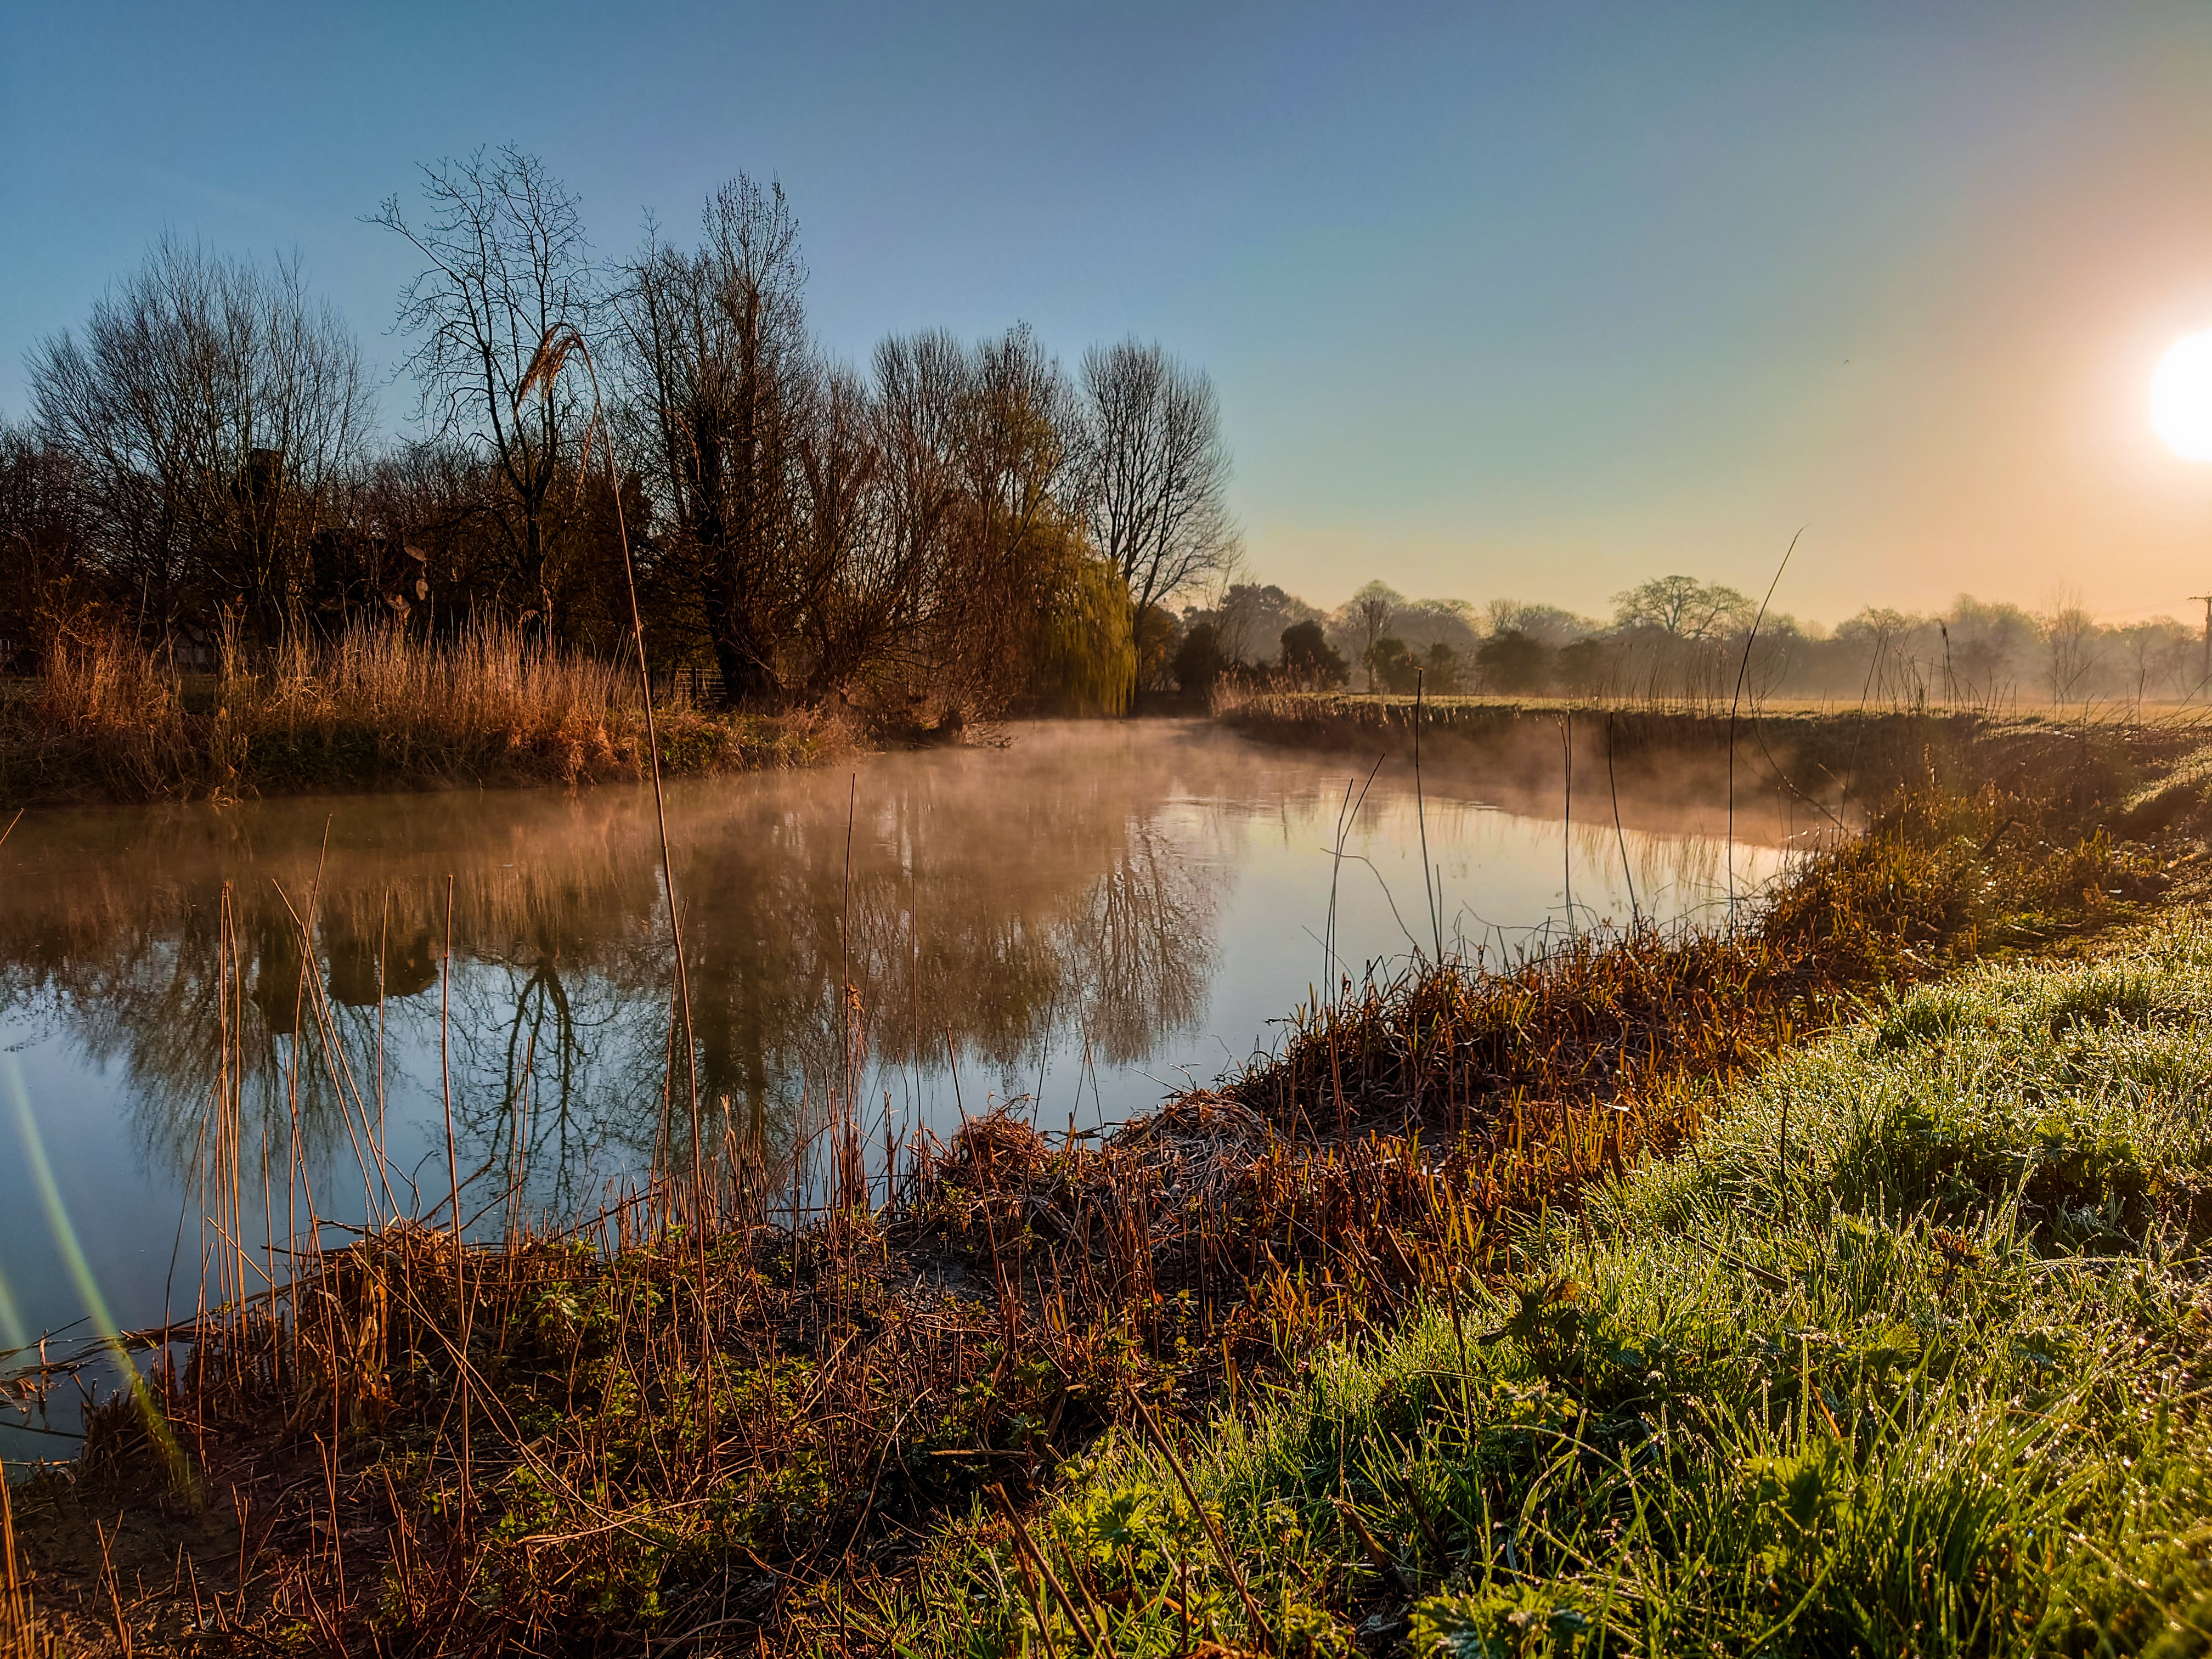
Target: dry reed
{"points": [[22, 1634], [374, 708]]}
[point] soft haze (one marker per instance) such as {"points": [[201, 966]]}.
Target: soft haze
{"points": [[1536, 300]]}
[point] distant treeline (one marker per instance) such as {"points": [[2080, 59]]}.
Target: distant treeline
{"points": [[954, 528], [957, 528], [1677, 637]]}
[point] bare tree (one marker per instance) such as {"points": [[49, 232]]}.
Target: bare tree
{"points": [[1018, 437], [1250, 619], [1682, 608], [2153, 647], [717, 343], [506, 264], [1369, 611], [919, 407], [921, 393], [211, 410], [973, 446], [1986, 641], [1894, 672], [1549, 624], [910, 532], [2069, 637], [1153, 475], [1679, 627], [1016, 443], [857, 603], [43, 543]]}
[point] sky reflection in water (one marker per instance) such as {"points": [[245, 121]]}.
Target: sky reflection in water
{"points": [[1081, 920]]}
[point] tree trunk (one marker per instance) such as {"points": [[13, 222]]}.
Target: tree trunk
{"points": [[739, 651], [534, 574]]}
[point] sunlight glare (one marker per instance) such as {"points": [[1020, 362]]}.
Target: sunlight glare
{"points": [[2181, 398]]}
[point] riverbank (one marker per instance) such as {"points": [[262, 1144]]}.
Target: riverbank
{"points": [[1908, 1355], [690, 1422], [1843, 761], [111, 722]]}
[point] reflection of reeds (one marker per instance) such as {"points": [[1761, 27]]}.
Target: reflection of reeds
{"points": [[375, 708], [727, 1406], [559, 1007]]}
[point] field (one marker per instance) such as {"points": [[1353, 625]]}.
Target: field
{"points": [[1825, 1283], [1852, 755]]}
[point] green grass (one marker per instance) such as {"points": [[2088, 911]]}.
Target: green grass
{"points": [[1905, 1355]]}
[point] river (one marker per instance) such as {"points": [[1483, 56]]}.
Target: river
{"points": [[1076, 922]]}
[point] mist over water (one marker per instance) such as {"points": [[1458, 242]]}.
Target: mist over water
{"points": [[1080, 921]]}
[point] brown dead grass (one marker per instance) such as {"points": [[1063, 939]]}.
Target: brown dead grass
{"points": [[371, 710]]}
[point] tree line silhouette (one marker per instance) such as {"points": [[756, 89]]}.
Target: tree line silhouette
{"points": [[1678, 637], [956, 526]]}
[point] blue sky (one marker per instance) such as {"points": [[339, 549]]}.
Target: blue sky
{"points": [[1528, 299]]}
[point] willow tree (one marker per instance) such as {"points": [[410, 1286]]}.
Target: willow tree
{"points": [[1086, 652]]}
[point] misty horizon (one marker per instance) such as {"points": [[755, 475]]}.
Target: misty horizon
{"points": [[1538, 307]]}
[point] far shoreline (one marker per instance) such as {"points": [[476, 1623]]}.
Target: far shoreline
{"points": [[196, 751]]}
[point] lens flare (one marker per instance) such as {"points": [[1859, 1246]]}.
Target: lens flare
{"points": [[80, 1270]]}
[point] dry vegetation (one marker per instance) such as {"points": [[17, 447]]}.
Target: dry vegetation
{"points": [[750, 1410], [372, 710], [1867, 751], [652, 456]]}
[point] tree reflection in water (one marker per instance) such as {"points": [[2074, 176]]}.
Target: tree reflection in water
{"points": [[1048, 911], [993, 905]]}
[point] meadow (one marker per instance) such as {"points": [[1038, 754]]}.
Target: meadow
{"points": [[1904, 1353]]}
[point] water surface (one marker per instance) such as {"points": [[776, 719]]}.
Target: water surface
{"points": [[1077, 923]]}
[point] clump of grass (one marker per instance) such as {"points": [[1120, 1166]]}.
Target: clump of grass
{"points": [[371, 709], [1906, 1357]]}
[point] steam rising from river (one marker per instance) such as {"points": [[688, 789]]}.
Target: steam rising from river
{"points": [[1085, 918]]}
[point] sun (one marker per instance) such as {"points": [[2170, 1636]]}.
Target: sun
{"points": [[2181, 398]]}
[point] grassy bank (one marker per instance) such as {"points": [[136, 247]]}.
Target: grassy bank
{"points": [[700, 1421], [1907, 1355], [111, 721]]}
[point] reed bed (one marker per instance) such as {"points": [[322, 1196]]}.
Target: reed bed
{"points": [[23, 1634], [751, 1406], [373, 709]]}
